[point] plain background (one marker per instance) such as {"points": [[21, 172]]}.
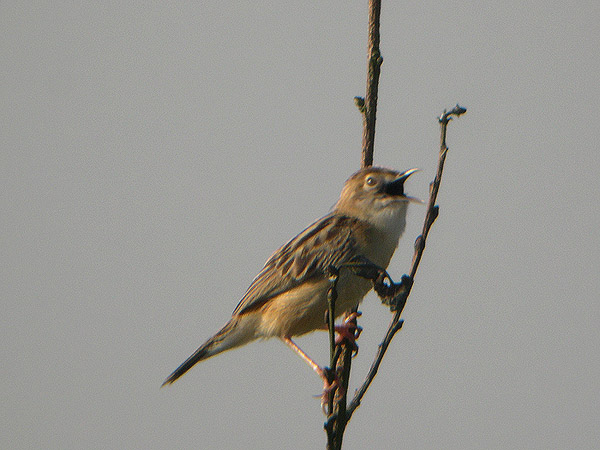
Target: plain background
{"points": [[153, 156]]}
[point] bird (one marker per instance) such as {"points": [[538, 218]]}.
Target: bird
{"points": [[288, 297]]}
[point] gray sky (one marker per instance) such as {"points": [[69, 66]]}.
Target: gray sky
{"points": [[153, 156]]}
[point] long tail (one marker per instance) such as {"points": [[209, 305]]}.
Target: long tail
{"points": [[235, 333]]}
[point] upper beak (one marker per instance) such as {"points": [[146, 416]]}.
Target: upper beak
{"points": [[396, 187], [403, 176]]}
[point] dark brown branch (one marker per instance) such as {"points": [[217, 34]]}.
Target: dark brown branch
{"points": [[369, 104], [337, 417], [403, 289]]}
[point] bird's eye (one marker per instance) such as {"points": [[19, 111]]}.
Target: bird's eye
{"points": [[371, 181]]}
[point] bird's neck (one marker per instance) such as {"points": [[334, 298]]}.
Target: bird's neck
{"points": [[384, 231]]}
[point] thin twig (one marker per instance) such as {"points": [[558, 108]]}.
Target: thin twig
{"points": [[405, 286], [334, 350], [331, 298]]}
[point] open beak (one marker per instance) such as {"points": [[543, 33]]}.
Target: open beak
{"points": [[396, 187]]}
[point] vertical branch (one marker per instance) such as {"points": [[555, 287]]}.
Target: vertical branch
{"points": [[374, 61], [337, 417]]}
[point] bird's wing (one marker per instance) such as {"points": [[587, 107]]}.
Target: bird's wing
{"points": [[329, 241]]}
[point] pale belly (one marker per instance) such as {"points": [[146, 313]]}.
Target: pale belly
{"points": [[302, 309]]}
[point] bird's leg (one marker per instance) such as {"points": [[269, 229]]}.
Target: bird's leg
{"points": [[390, 293], [320, 371], [330, 379], [364, 268]]}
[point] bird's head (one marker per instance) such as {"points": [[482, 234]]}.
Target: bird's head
{"points": [[376, 195]]}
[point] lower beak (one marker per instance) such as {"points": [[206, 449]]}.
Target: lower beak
{"points": [[404, 176], [414, 200]]}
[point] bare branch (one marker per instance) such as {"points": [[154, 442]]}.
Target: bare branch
{"points": [[337, 418], [402, 289], [369, 108], [395, 295]]}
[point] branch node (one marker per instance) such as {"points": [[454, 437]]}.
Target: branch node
{"points": [[376, 60], [402, 290], [435, 211], [360, 104], [456, 111], [398, 325], [419, 243]]}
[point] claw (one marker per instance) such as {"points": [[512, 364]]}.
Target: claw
{"points": [[353, 316], [329, 387], [349, 332]]}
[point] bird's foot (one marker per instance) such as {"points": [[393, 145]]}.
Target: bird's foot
{"points": [[392, 294], [349, 331], [330, 384], [385, 287]]}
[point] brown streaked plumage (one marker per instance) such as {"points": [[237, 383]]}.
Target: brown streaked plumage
{"points": [[289, 296]]}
